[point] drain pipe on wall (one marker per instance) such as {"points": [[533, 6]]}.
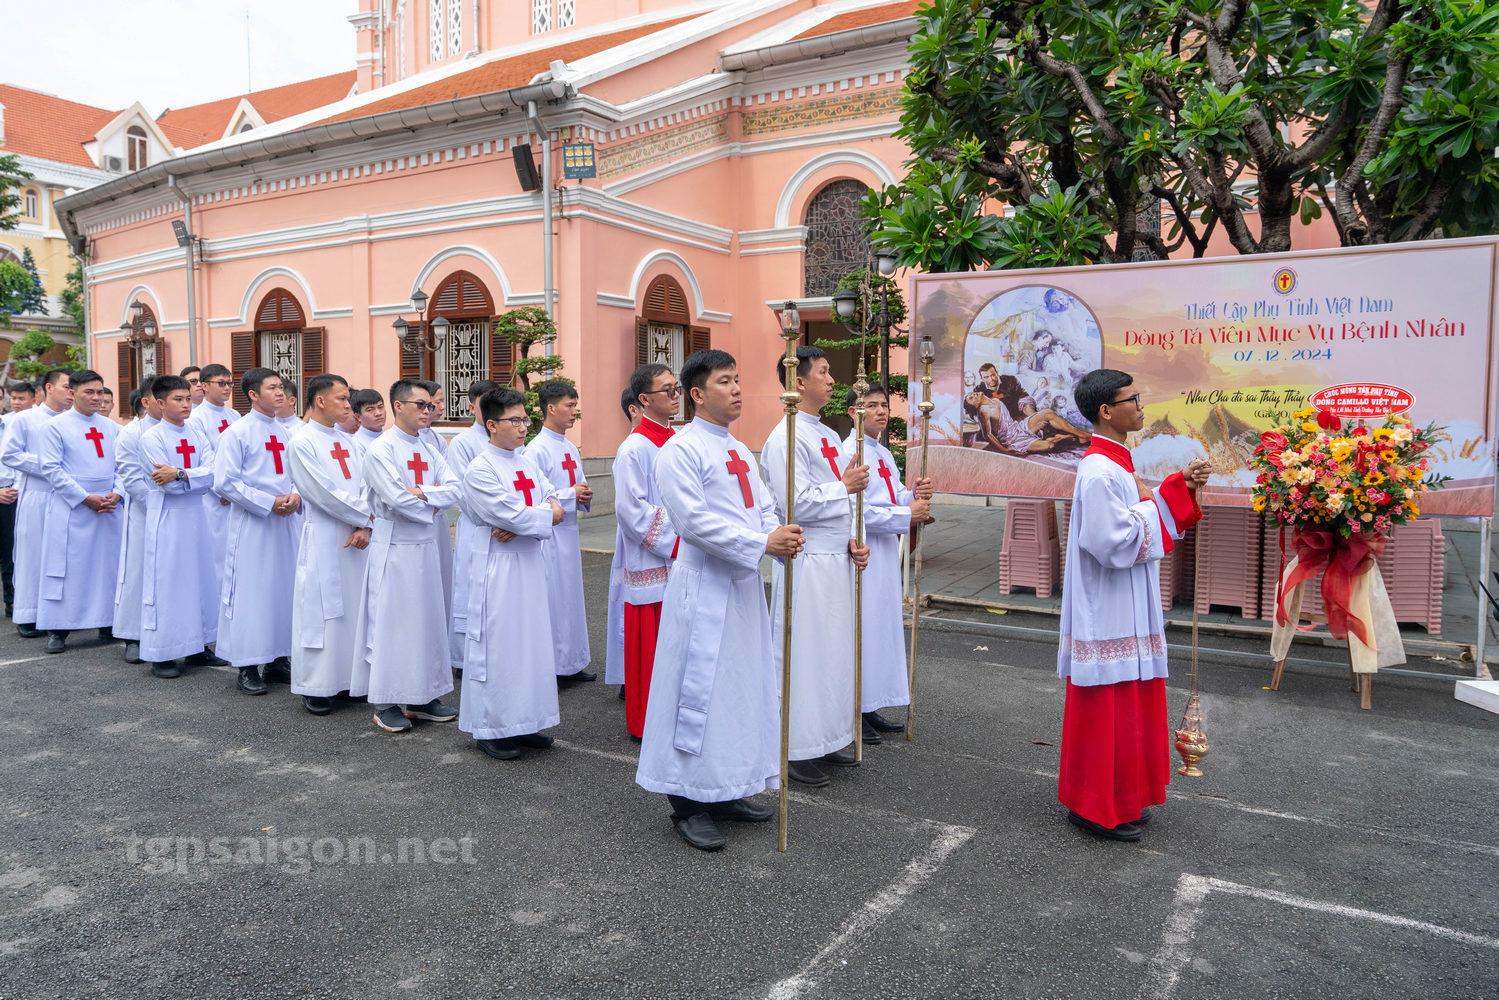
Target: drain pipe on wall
{"points": [[546, 206], [192, 313]]}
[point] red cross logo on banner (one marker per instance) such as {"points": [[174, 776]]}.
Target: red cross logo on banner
{"points": [[223, 425], [340, 455], [885, 475], [186, 451], [738, 467], [275, 448], [831, 454], [570, 465], [524, 484], [98, 439], [417, 466]]}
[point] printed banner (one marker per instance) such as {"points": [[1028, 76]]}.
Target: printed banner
{"points": [[1216, 347]]}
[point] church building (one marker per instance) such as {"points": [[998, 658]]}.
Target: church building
{"points": [[661, 175]]}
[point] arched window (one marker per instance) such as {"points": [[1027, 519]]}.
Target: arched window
{"points": [[470, 351], [837, 240], [32, 204], [6, 253], [143, 352], [136, 148], [281, 341], [663, 331]]}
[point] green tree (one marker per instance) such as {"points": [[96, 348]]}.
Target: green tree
{"points": [[1086, 116], [72, 297], [15, 286], [35, 301], [26, 353], [525, 328], [872, 290], [11, 179]]}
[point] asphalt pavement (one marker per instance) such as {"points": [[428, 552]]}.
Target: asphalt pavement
{"points": [[173, 838]]}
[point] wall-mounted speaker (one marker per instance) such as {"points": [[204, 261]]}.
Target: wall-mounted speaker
{"points": [[525, 168]]}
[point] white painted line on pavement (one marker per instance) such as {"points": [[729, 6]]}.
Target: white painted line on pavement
{"points": [[1186, 913], [918, 871], [29, 659]]}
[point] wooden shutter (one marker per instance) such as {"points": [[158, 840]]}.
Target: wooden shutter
{"points": [[314, 354], [664, 301], [125, 355], [642, 341], [501, 357], [244, 350], [278, 310], [698, 340], [413, 355], [164, 358]]}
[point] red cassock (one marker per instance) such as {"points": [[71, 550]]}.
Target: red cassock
{"points": [[1116, 738], [642, 622]]}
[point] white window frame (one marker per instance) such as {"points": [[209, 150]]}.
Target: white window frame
{"points": [[541, 16], [455, 27], [435, 30]]}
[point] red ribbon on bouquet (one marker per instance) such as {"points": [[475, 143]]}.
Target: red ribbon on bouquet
{"points": [[1341, 561]]}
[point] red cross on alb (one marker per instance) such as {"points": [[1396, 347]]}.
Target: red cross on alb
{"points": [[340, 455], [275, 448], [738, 467], [186, 451], [570, 465], [98, 439], [223, 425], [417, 466], [831, 454], [524, 484], [885, 475]]}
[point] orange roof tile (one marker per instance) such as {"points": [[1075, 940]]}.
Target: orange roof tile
{"points": [[197, 124], [48, 127], [502, 74], [862, 18]]}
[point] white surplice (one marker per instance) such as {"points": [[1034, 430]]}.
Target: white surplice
{"points": [[402, 656], [325, 466], [822, 615], [179, 584], [260, 548], [509, 679], [19, 452], [461, 451], [215, 420], [712, 733], [81, 548], [887, 518], [1112, 628], [563, 553], [137, 486], [643, 537]]}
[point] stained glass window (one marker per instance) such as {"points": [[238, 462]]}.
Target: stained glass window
{"points": [[837, 241]]}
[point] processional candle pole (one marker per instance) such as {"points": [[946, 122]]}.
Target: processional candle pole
{"points": [[791, 329], [845, 303], [925, 406], [1191, 741]]}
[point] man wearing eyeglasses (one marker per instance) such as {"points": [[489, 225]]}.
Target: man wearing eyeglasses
{"points": [[401, 633], [1116, 742], [194, 376], [214, 416], [251, 471], [644, 541]]}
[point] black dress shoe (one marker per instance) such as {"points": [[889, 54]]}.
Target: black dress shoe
{"points": [[1124, 831], [57, 642], [741, 811], [501, 749], [133, 652], [807, 773], [1144, 817], [207, 658], [581, 677], [278, 671], [167, 669], [316, 705], [840, 758], [871, 735], [536, 741], [883, 724], [249, 681], [621, 692], [700, 831], [26, 631]]}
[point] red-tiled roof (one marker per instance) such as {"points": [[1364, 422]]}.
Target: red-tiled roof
{"points": [[502, 74], [862, 18], [199, 123], [48, 127]]}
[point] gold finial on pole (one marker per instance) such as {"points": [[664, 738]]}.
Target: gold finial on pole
{"points": [[1191, 741], [925, 406], [791, 330]]}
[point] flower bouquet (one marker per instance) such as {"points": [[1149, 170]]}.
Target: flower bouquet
{"points": [[1340, 491]]}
